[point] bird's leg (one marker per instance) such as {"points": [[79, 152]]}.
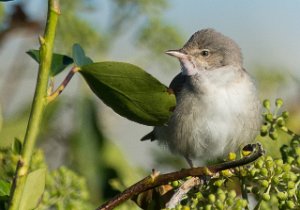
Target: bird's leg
{"points": [[190, 162]]}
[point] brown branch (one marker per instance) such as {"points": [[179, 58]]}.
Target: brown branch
{"points": [[182, 191], [151, 181], [62, 86]]}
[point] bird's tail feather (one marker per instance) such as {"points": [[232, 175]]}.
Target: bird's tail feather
{"points": [[149, 136]]}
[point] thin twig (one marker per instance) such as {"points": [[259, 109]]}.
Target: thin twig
{"points": [[62, 86], [151, 182], [182, 190]]}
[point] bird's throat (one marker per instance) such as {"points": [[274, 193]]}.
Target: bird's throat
{"points": [[188, 67]]}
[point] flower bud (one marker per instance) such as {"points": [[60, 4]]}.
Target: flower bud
{"points": [[267, 104], [278, 102]]}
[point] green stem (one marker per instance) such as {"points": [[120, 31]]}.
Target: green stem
{"points": [[38, 105], [244, 191]]}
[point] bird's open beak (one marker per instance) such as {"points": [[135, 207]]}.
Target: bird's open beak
{"points": [[188, 67]]}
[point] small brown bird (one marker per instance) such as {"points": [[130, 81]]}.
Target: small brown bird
{"points": [[218, 109]]}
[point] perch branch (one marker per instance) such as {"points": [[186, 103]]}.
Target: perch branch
{"points": [[151, 182]]}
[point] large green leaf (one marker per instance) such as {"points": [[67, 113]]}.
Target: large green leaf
{"points": [[130, 91], [33, 190], [59, 62]]}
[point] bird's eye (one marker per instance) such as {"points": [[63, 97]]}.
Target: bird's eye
{"points": [[205, 53]]}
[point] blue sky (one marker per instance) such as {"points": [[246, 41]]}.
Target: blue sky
{"points": [[267, 31]]}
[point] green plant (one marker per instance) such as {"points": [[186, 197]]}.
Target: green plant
{"points": [[133, 93]]}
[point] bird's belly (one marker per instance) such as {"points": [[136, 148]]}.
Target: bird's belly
{"points": [[210, 126]]}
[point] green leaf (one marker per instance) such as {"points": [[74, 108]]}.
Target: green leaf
{"points": [[79, 56], [4, 189], [33, 190], [59, 61], [130, 91], [17, 146]]}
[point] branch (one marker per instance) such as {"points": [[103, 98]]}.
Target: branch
{"points": [[38, 106], [62, 86], [182, 191], [151, 182]]}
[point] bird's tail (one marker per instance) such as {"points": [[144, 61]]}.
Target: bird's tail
{"points": [[150, 136]]}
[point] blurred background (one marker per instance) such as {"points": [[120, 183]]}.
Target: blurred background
{"points": [[79, 131]]}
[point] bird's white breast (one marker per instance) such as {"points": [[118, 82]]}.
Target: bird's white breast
{"points": [[216, 112]]}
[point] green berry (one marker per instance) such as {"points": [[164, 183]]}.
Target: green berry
{"points": [[231, 194], [281, 195], [297, 151], [219, 204], [273, 135], [266, 196], [264, 183], [291, 185], [231, 156], [264, 130], [279, 162], [298, 160], [279, 102], [222, 197], [264, 172], [175, 183], [208, 207], [199, 196], [290, 204], [293, 177], [280, 122], [269, 117], [285, 114], [226, 173], [229, 201], [286, 167], [259, 163], [267, 104], [276, 180], [253, 172], [219, 183], [211, 198], [292, 192], [179, 207], [185, 208], [278, 170], [290, 159]]}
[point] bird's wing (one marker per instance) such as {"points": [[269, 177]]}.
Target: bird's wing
{"points": [[177, 83], [175, 86]]}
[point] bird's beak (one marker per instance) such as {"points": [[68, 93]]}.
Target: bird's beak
{"points": [[188, 67], [177, 54]]}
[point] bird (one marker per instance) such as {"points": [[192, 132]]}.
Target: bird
{"points": [[218, 110]]}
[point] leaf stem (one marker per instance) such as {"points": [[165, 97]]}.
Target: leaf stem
{"points": [[38, 105], [62, 86]]}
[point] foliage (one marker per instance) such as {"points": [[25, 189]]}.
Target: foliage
{"points": [[65, 190], [273, 182]]}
